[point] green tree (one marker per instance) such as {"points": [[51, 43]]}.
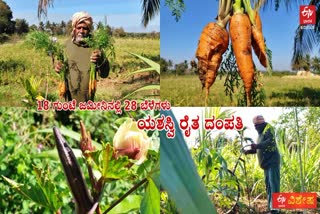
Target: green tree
{"points": [[164, 65], [21, 26], [63, 27], [119, 32], [100, 25], [33, 27], [41, 26], [6, 24], [181, 67]]}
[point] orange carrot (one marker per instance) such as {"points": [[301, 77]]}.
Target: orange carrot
{"points": [[212, 44], [240, 33], [62, 89], [258, 40]]}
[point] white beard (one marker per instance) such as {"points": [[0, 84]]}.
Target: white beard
{"points": [[79, 37]]}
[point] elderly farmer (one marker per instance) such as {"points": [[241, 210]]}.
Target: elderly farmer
{"points": [[268, 156], [79, 56]]}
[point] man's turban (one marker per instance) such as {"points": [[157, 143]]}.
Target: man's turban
{"points": [[258, 120], [82, 17]]}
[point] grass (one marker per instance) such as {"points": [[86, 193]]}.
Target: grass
{"points": [[39, 65], [280, 91]]}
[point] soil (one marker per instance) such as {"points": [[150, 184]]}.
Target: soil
{"points": [[116, 87]]}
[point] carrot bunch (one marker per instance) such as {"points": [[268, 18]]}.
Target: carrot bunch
{"points": [[245, 30]]}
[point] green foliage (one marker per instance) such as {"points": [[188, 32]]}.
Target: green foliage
{"points": [[38, 63], [43, 192], [153, 67], [103, 41], [233, 80], [216, 153], [151, 201], [28, 157], [284, 90], [31, 85], [41, 41], [177, 7], [6, 24], [179, 176]]}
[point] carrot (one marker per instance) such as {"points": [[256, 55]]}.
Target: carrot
{"points": [[258, 40], [213, 42], [62, 89], [240, 33]]}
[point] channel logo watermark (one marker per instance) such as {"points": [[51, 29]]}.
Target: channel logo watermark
{"points": [[307, 16]]}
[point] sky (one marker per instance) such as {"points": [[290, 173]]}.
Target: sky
{"points": [[270, 114], [125, 13], [179, 39]]}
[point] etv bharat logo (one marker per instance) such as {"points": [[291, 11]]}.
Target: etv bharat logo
{"points": [[307, 15]]}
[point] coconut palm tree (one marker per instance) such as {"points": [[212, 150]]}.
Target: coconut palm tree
{"points": [[150, 8], [304, 40]]}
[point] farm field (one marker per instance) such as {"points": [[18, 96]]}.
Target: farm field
{"points": [[218, 168], [18, 62], [279, 91]]}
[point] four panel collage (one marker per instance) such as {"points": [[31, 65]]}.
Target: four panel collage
{"points": [[159, 106]]}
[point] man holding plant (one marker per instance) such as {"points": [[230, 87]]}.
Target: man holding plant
{"points": [[79, 57], [268, 156]]}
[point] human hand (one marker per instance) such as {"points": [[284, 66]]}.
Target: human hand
{"points": [[95, 56], [58, 66]]}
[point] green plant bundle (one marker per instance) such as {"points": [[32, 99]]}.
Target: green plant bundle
{"points": [[43, 41], [100, 40]]}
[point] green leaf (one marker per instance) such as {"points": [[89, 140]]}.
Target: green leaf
{"points": [[179, 176], [43, 192], [113, 168], [151, 201], [66, 132], [130, 203], [53, 154], [148, 87], [153, 64], [140, 71], [6, 152]]}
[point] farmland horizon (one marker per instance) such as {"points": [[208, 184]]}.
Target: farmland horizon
{"points": [[113, 13]]}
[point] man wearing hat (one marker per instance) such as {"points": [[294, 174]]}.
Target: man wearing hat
{"points": [[268, 156], [79, 56]]}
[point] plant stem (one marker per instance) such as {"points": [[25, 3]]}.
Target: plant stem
{"points": [[237, 8], [126, 194], [224, 12], [249, 10]]}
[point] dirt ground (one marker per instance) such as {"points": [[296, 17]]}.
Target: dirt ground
{"points": [[116, 87]]}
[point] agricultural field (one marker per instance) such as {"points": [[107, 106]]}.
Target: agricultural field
{"points": [[279, 91], [211, 153], [19, 63]]}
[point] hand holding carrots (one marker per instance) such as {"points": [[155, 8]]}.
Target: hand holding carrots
{"points": [[58, 66], [95, 56]]}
